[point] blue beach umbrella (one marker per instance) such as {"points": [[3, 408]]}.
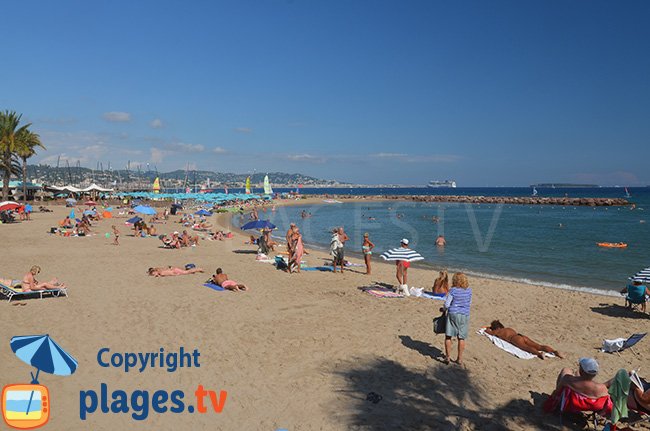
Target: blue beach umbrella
{"points": [[90, 212], [258, 224], [134, 220], [642, 276], [41, 352], [203, 213], [144, 209]]}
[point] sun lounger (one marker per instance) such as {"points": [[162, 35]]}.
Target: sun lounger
{"points": [[17, 293]]}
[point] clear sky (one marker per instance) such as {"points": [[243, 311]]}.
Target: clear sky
{"points": [[487, 93]]}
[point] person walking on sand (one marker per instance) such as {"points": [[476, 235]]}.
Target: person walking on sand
{"points": [[457, 304], [116, 234], [367, 251]]}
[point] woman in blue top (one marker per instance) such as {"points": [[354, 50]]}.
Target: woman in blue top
{"points": [[457, 304]]}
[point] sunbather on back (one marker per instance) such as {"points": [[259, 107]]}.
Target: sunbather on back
{"points": [[30, 283], [519, 340], [171, 271]]}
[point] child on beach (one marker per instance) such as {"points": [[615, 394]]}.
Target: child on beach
{"points": [[116, 234]]}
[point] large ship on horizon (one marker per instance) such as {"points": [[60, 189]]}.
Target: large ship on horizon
{"points": [[442, 184]]}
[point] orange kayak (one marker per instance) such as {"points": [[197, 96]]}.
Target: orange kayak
{"points": [[612, 244]]}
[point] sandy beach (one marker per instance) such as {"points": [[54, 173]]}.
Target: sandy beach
{"points": [[299, 351]]}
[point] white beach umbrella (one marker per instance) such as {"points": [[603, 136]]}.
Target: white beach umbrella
{"points": [[642, 276], [401, 253]]}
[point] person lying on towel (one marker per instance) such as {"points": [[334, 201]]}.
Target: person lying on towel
{"points": [[519, 340], [577, 391], [172, 271], [221, 279]]}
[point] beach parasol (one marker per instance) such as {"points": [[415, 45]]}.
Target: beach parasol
{"points": [[90, 212], [144, 209], [71, 200], [642, 276], [401, 253], [8, 205], [91, 203], [41, 352], [134, 220], [258, 224], [203, 213]]}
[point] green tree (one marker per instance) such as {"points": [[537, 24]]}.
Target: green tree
{"points": [[9, 130], [27, 142]]}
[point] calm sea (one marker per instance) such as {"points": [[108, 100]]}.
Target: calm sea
{"points": [[549, 245]]}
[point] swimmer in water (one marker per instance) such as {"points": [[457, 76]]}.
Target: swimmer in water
{"points": [[560, 225], [440, 241]]}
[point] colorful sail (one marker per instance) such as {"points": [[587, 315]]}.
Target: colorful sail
{"points": [[267, 186], [156, 185], [248, 185]]}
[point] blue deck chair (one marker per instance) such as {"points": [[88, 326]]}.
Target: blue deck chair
{"points": [[16, 292], [636, 296], [634, 338]]}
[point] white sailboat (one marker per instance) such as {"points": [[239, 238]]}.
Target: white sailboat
{"points": [[627, 194], [534, 191], [267, 186]]}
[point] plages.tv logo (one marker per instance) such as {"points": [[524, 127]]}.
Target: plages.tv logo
{"points": [[27, 405]]}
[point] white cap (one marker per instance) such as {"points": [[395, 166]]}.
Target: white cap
{"points": [[405, 241], [176, 232], [589, 365]]}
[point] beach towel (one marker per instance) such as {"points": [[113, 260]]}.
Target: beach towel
{"points": [[214, 287], [431, 295], [382, 292], [510, 348], [316, 268]]}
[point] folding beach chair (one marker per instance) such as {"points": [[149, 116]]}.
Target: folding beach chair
{"points": [[17, 293], [636, 297], [617, 345]]}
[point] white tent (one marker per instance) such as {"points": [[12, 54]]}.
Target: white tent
{"points": [[95, 188]]}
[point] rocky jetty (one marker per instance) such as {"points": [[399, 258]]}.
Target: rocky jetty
{"points": [[513, 200]]}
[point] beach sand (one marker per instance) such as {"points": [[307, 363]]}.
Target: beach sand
{"points": [[298, 351]]}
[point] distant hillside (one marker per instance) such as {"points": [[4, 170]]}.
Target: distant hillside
{"points": [[79, 175]]}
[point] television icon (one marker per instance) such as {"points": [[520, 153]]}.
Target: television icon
{"points": [[25, 406]]}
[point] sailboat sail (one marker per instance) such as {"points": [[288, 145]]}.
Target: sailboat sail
{"points": [[627, 194], [248, 185], [156, 185], [267, 186], [534, 191]]}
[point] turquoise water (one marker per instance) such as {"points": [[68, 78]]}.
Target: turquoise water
{"points": [[554, 246]]}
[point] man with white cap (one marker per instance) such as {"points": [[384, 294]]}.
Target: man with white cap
{"points": [[582, 384]]}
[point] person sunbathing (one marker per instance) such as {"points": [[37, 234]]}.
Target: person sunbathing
{"points": [[188, 240], [31, 284], [577, 391], [519, 340], [171, 271], [221, 279]]}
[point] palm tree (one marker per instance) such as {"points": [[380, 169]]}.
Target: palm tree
{"points": [[27, 141], [9, 130]]}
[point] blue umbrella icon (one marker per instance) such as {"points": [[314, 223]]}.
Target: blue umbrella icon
{"points": [[42, 352], [203, 213]]}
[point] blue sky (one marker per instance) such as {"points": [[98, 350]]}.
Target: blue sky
{"points": [[487, 93]]}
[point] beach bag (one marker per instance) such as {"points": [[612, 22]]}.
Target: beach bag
{"points": [[440, 323]]}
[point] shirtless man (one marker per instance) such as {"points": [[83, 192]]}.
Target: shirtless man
{"points": [[222, 280], [188, 240], [440, 241], [172, 271], [521, 341], [582, 381], [30, 283]]}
